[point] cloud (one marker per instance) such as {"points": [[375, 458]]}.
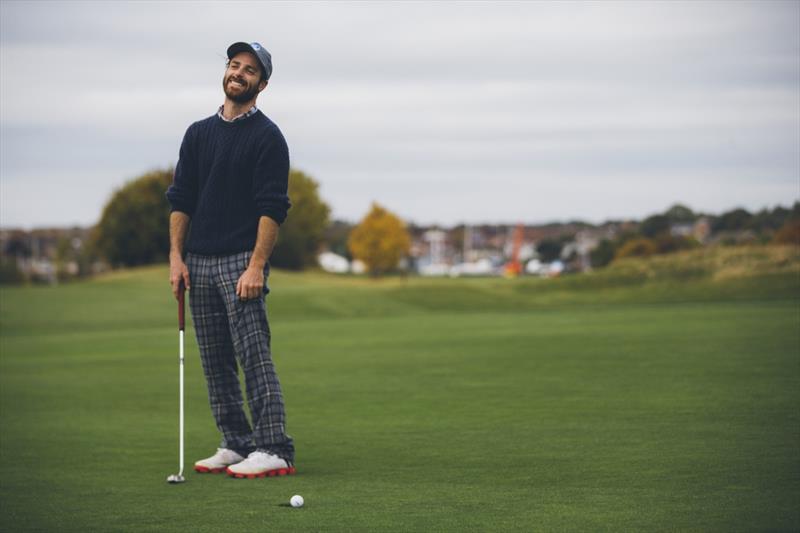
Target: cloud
{"points": [[601, 109]]}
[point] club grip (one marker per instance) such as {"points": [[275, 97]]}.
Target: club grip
{"points": [[181, 306]]}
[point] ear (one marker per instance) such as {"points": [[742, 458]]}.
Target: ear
{"points": [[262, 85]]}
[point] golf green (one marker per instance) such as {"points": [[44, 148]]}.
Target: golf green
{"points": [[417, 405]]}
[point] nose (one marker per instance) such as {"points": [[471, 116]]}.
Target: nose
{"points": [[236, 70]]}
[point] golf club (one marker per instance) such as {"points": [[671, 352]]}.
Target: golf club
{"points": [[178, 478]]}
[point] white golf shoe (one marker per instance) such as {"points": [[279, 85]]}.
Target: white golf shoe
{"points": [[217, 463], [261, 464]]}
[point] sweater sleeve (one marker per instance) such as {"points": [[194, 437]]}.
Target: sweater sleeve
{"points": [[182, 194], [271, 179]]}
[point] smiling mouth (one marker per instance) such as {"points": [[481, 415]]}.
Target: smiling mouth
{"points": [[236, 82]]}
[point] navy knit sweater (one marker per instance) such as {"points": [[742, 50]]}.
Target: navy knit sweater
{"points": [[229, 174]]}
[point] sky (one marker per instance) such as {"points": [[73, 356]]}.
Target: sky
{"points": [[443, 113]]}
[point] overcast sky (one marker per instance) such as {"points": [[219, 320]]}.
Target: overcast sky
{"points": [[442, 112]]}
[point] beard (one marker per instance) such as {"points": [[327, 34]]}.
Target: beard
{"points": [[246, 95]]}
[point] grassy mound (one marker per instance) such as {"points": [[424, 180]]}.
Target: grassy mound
{"points": [[717, 263], [657, 394]]}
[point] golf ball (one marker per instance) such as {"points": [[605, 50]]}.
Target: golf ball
{"points": [[297, 501]]}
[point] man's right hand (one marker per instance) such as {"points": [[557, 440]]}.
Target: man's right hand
{"points": [[178, 272]]}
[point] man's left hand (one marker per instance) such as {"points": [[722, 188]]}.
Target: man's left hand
{"points": [[250, 284]]}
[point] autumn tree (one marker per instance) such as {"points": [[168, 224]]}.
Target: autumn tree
{"points": [[380, 240], [735, 220], [654, 226], [639, 247], [680, 214], [602, 254], [789, 233], [303, 231]]}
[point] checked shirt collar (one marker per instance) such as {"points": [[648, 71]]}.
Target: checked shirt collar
{"points": [[248, 113]]}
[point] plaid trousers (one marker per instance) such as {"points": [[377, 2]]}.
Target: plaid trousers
{"points": [[230, 330]]}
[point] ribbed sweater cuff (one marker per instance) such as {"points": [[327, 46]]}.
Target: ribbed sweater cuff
{"points": [[180, 209], [275, 215]]}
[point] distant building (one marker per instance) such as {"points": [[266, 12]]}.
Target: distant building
{"points": [[682, 230], [580, 248], [335, 263], [702, 230], [435, 263], [45, 254], [699, 230]]}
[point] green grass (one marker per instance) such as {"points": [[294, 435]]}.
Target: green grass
{"points": [[616, 401]]}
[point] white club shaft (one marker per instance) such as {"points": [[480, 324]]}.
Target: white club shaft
{"points": [[181, 402]]}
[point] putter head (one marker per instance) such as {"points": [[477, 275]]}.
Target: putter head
{"points": [[175, 478]]}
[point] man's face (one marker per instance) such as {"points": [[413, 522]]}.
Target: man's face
{"points": [[242, 79]]}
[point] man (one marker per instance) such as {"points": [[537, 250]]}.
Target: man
{"points": [[231, 184]]}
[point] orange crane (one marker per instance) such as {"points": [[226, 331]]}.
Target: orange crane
{"points": [[514, 268]]}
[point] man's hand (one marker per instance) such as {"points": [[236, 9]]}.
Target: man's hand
{"points": [[178, 272], [250, 284], [178, 226]]}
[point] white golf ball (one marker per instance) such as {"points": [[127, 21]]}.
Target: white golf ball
{"points": [[297, 501]]}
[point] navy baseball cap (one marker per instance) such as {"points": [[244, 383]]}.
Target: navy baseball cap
{"points": [[257, 50]]}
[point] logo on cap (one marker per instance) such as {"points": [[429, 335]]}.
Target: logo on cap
{"points": [[256, 46]]}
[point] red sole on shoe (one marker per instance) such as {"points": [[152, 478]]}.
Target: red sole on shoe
{"points": [[204, 470], [267, 473]]}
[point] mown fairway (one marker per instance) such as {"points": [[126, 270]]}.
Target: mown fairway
{"points": [[459, 405]]}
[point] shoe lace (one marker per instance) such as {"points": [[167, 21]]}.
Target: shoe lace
{"points": [[258, 453]]}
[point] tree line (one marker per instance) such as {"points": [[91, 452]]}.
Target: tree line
{"points": [[133, 230], [657, 234]]}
